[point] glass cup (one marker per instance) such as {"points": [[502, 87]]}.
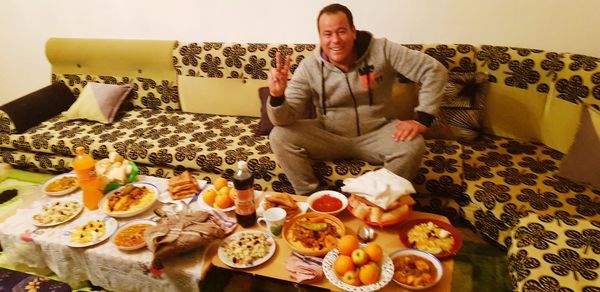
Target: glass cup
{"points": [[272, 219]]}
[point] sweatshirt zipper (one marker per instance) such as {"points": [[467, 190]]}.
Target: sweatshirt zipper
{"points": [[355, 105]]}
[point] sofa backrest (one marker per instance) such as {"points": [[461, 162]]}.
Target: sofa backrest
{"points": [[224, 78], [144, 63]]}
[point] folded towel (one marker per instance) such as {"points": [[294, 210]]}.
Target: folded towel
{"points": [[304, 268], [381, 187]]}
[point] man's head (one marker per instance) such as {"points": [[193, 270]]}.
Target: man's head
{"points": [[337, 34]]}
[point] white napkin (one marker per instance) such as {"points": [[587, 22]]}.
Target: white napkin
{"points": [[381, 187]]}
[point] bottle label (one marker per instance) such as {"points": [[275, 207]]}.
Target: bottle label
{"points": [[245, 195], [244, 207]]}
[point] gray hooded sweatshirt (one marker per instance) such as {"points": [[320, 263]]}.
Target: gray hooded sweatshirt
{"points": [[356, 102]]}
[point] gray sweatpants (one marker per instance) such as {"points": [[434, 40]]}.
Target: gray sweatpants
{"points": [[297, 145]]}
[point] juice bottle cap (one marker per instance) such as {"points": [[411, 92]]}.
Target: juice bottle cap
{"points": [[80, 150]]}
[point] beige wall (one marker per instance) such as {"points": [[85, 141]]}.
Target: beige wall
{"points": [[25, 25]]}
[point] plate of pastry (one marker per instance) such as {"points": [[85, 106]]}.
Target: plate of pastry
{"points": [[284, 201]]}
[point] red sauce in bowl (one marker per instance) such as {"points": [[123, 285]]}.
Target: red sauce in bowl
{"points": [[327, 203]]}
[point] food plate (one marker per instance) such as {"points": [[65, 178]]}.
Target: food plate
{"points": [[303, 206], [247, 249], [458, 241], [57, 212], [127, 238], [334, 198], [383, 223], [205, 206], [406, 271], [142, 204], [64, 184], [165, 196], [324, 245], [103, 227], [387, 273]]}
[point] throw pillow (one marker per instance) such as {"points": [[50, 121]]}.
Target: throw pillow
{"points": [[461, 111], [581, 164], [265, 125], [38, 106], [98, 102]]}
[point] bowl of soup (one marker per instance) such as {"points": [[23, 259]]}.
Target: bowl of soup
{"points": [[327, 202], [415, 269]]}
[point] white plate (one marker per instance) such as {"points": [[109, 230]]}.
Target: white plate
{"points": [[104, 202], [303, 206], [39, 211], [63, 192], [111, 226], [387, 273], [235, 236], [122, 227], [204, 205], [165, 197]]}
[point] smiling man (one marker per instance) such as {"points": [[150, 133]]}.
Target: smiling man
{"points": [[350, 83]]}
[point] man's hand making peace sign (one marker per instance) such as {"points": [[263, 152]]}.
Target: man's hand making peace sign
{"points": [[278, 77]]}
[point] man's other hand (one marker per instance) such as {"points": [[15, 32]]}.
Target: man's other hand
{"points": [[408, 130], [277, 78]]}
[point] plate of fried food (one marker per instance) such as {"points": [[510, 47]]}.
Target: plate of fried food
{"points": [[61, 185], [433, 236], [374, 215], [284, 201], [129, 200], [57, 212], [313, 234], [247, 249], [90, 231], [130, 236]]}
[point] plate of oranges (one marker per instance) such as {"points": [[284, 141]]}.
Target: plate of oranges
{"points": [[353, 266]]}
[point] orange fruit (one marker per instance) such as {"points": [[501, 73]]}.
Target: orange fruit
{"points": [[369, 274], [220, 182], [343, 264], [374, 251], [223, 201], [209, 196], [232, 194], [224, 191], [347, 244]]}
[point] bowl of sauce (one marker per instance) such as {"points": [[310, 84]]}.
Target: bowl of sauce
{"points": [[327, 202]]}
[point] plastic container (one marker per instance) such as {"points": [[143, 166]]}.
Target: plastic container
{"points": [[245, 207], [85, 168]]}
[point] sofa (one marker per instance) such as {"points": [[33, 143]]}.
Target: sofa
{"points": [[195, 106]]}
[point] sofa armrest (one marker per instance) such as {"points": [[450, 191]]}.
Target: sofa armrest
{"points": [[36, 107], [7, 126]]}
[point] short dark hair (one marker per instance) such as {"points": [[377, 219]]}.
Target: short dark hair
{"points": [[335, 8]]}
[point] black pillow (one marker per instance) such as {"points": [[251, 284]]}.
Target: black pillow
{"points": [[39, 106], [265, 126], [461, 112]]}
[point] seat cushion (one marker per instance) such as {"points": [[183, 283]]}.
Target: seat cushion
{"points": [[555, 253], [507, 179]]}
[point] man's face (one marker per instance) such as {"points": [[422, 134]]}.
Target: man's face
{"points": [[337, 38]]}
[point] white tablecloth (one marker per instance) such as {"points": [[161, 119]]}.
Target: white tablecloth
{"points": [[102, 264]]}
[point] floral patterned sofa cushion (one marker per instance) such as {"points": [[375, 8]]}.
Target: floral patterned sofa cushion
{"points": [[507, 179], [555, 253]]}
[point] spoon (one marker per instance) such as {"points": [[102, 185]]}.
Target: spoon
{"points": [[365, 233]]}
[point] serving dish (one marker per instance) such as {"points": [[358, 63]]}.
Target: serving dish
{"points": [[385, 276], [61, 185], [90, 231], [130, 236], [57, 212], [401, 265], [329, 206], [455, 233], [295, 235], [246, 249], [136, 205]]}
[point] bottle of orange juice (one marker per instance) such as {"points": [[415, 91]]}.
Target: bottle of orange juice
{"points": [[85, 167]]}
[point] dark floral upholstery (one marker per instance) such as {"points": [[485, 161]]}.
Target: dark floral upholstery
{"points": [[506, 189]]}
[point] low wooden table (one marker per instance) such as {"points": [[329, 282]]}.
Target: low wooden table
{"points": [[388, 239]]}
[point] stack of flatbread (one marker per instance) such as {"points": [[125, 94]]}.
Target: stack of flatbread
{"points": [[183, 186], [281, 200]]}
